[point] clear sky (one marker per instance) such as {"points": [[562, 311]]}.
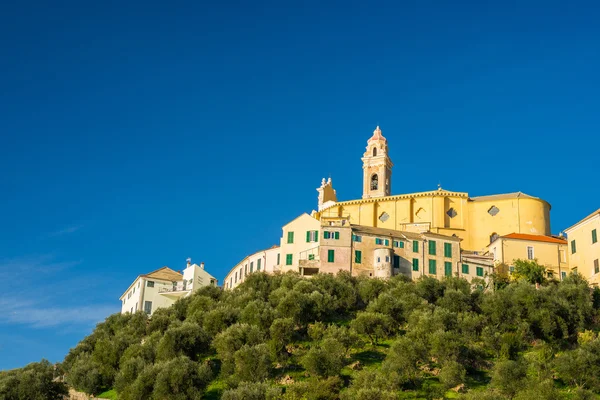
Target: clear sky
{"points": [[135, 135]]}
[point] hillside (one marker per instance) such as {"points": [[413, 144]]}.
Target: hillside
{"points": [[343, 337]]}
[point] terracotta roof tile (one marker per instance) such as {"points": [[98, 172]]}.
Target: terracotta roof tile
{"points": [[537, 238]]}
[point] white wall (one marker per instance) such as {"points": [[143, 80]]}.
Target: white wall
{"points": [[250, 264]]}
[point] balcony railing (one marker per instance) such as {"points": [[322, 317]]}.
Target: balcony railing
{"points": [[177, 288]]}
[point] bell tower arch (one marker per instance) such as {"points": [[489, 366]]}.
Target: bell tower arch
{"points": [[377, 167]]}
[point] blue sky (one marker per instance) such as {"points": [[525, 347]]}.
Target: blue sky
{"points": [[135, 135]]}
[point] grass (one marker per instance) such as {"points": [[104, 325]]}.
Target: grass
{"points": [[214, 391], [109, 394]]}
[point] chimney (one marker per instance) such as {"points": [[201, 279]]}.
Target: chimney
{"points": [[189, 261], [202, 265]]}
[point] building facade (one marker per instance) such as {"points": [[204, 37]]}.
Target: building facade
{"points": [[163, 287], [261, 261], [548, 251], [583, 247], [475, 220]]}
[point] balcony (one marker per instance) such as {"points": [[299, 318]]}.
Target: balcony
{"points": [[176, 291]]}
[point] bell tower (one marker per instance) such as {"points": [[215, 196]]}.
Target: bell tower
{"points": [[377, 167]]}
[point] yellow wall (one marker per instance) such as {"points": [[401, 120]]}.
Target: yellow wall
{"points": [[299, 226], [586, 251], [428, 211], [551, 255]]}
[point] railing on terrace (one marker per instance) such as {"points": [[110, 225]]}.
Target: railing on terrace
{"points": [[177, 288]]}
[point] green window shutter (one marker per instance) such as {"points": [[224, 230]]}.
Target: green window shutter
{"points": [[316, 236], [330, 255], [447, 268], [432, 267], [357, 256], [311, 257], [465, 268], [415, 246], [336, 235], [447, 249], [594, 236], [307, 236], [258, 264], [288, 259], [290, 237], [401, 244], [479, 271], [573, 247], [387, 242], [252, 266], [415, 264], [396, 263], [432, 247], [326, 235]]}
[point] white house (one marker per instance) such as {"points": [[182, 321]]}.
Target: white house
{"points": [[163, 287], [264, 260]]}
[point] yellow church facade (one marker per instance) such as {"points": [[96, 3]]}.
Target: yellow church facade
{"points": [[477, 221]]}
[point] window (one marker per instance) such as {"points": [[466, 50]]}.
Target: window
{"points": [[378, 241], [415, 246], [230, 282], [131, 310], [378, 259], [451, 213], [148, 307], [415, 264], [448, 250], [129, 295], [398, 243], [596, 266], [236, 277], [134, 290], [326, 235], [573, 247], [288, 259], [331, 235], [479, 271], [530, 252], [357, 256], [432, 247], [258, 264], [278, 258], [387, 242], [311, 257], [465, 268], [447, 268], [290, 237], [312, 236], [387, 258], [357, 238], [336, 235], [563, 274], [511, 269], [251, 266], [374, 182], [241, 273], [384, 217], [330, 255], [374, 151], [432, 267], [396, 263], [594, 236], [150, 284]]}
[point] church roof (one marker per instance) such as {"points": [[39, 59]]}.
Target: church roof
{"points": [[377, 135], [439, 192]]}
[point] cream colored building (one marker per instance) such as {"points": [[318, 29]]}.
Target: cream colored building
{"points": [[382, 253], [163, 287], [300, 237], [475, 220], [584, 249], [549, 251], [261, 261]]}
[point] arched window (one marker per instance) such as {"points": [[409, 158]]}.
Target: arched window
{"points": [[374, 182], [493, 237], [374, 151]]}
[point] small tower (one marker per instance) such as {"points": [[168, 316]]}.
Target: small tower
{"points": [[327, 195], [377, 167]]}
